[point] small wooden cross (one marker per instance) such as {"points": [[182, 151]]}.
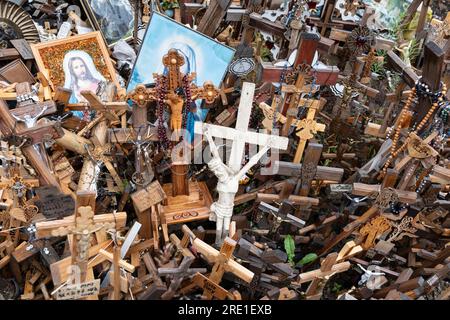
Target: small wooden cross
{"points": [[327, 269], [307, 127], [281, 214], [373, 229], [109, 109], [417, 149]]}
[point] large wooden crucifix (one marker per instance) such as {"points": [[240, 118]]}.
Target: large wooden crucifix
{"points": [[240, 136], [175, 90]]}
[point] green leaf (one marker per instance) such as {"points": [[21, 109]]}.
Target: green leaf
{"points": [[310, 257], [289, 247]]}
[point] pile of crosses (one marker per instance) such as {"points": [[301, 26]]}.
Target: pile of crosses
{"points": [[324, 166]]}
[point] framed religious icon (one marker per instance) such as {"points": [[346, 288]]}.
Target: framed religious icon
{"points": [[113, 18], [208, 58], [77, 63]]}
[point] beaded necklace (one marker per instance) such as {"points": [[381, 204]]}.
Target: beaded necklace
{"points": [[161, 92]]}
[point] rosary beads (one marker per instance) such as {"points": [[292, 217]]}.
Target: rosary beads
{"points": [[420, 89]]}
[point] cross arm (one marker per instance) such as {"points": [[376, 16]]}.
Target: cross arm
{"points": [[141, 95], [45, 228], [208, 92], [39, 134], [361, 189], [253, 160], [249, 136], [294, 169]]}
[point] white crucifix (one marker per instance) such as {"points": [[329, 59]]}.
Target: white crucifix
{"points": [[240, 136]]}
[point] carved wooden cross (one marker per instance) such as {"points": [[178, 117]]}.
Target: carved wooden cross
{"points": [[417, 149], [373, 229], [440, 31], [307, 127], [82, 224], [173, 61]]}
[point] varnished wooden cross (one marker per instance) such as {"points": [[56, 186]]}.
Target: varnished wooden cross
{"points": [[373, 229], [417, 149], [307, 127], [173, 61], [81, 225], [211, 285]]}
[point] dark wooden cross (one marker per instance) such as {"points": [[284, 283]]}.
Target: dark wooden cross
{"points": [[178, 275], [431, 73]]}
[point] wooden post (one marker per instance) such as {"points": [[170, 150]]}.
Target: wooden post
{"points": [[216, 11], [433, 64]]}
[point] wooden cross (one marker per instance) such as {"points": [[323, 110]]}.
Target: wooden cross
{"points": [[281, 214], [141, 95], [440, 32], [18, 185], [210, 284], [82, 224], [109, 109], [214, 14], [373, 229], [307, 127], [431, 73], [328, 268], [178, 275], [417, 149], [240, 134], [282, 168], [213, 255]]}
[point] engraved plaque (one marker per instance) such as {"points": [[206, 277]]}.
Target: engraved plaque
{"points": [[53, 204]]}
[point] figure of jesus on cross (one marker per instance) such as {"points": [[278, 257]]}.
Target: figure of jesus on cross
{"points": [[229, 175], [227, 186]]}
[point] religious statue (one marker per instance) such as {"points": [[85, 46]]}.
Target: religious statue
{"points": [[227, 186], [30, 121], [175, 102]]}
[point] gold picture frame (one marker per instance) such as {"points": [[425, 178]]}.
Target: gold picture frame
{"points": [[51, 58]]}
